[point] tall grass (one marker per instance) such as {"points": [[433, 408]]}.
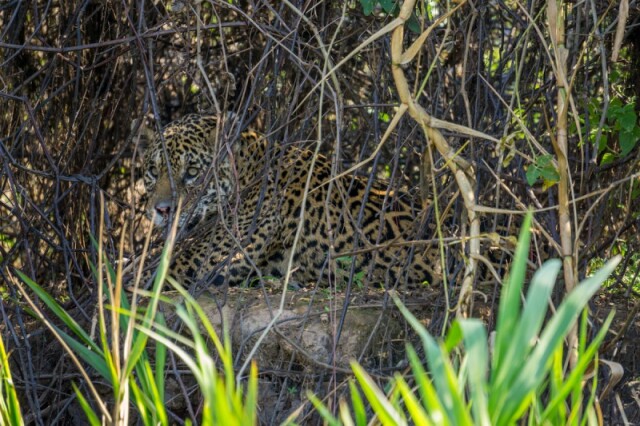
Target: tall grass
{"points": [[521, 378], [120, 354], [10, 413]]}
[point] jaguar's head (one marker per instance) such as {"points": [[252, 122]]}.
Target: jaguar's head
{"points": [[183, 164]]}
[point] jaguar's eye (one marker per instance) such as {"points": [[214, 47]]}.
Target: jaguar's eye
{"points": [[191, 173], [153, 171]]}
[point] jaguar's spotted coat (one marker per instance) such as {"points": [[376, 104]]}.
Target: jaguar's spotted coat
{"points": [[243, 204]]}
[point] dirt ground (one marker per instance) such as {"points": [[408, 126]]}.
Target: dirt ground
{"points": [[301, 354]]}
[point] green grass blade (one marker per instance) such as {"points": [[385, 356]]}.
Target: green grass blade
{"points": [[140, 340], [575, 378], [59, 312], [95, 360], [524, 333], [141, 401], [453, 338], [9, 404], [444, 377], [91, 415], [251, 401], [359, 411], [323, 410], [532, 374], [418, 415], [428, 394], [161, 359], [454, 390], [344, 413], [181, 353], [556, 378], [150, 391], [475, 343], [204, 319], [222, 409], [590, 407], [386, 413], [509, 308]]}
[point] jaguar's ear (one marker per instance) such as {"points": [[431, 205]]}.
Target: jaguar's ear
{"points": [[142, 136], [217, 127], [209, 123]]}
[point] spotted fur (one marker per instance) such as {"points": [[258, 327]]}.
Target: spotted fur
{"points": [[243, 203]]}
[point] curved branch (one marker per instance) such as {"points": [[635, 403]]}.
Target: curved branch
{"points": [[461, 168]]}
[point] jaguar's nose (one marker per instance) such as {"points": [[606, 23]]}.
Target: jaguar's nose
{"points": [[163, 208]]}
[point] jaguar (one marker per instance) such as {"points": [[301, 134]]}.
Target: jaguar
{"points": [[251, 209]]}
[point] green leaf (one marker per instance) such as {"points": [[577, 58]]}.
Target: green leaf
{"points": [[522, 337], [614, 110], [576, 377], [628, 118], [614, 76], [549, 173], [532, 175], [635, 192], [607, 158], [140, 340], [388, 5], [413, 24], [454, 337], [95, 359], [604, 140], [444, 376], [628, 140], [161, 358], [138, 398], [475, 343], [251, 400], [9, 405], [542, 167], [367, 6], [150, 393]]}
